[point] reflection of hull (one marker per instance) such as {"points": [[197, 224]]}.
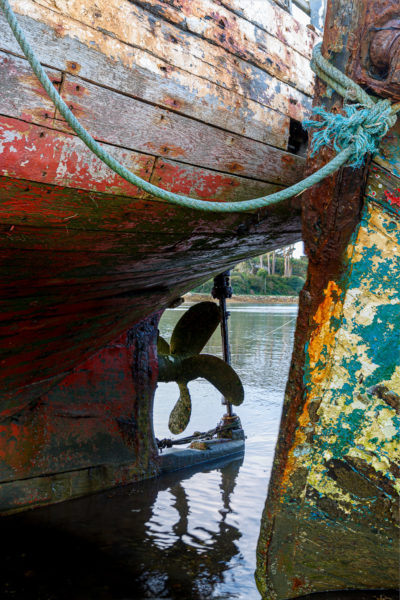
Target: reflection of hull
{"points": [[86, 256], [331, 518], [155, 540]]}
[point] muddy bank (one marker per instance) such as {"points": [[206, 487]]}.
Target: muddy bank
{"points": [[246, 299]]}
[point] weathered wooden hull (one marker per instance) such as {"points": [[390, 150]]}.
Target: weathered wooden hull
{"points": [[331, 518], [197, 98]]}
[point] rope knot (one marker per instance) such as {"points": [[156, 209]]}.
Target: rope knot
{"points": [[361, 126]]}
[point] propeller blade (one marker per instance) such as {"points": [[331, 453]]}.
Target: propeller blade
{"points": [[195, 328], [162, 345], [180, 414], [217, 372]]}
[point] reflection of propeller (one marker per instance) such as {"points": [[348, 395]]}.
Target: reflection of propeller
{"points": [[182, 362]]}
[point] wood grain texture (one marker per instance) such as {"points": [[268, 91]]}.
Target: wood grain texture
{"points": [[146, 128], [49, 156], [37, 205], [209, 20], [30, 204], [383, 187], [191, 60], [69, 285], [277, 22], [84, 50], [22, 96], [149, 129]]}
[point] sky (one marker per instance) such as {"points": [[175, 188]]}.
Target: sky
{"points": [[298, 250]]}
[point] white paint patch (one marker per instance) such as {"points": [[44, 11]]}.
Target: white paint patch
{"points": [[7, 136]]}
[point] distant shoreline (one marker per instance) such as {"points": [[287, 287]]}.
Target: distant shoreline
{"points": [[246, 299]]}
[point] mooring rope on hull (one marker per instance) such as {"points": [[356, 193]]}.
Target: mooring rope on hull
{"points": [[360, 132]]}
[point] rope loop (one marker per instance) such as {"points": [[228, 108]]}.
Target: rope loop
{"points": [[361, 126]]}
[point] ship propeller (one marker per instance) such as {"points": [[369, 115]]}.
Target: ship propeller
{"points": [[181, 361]]}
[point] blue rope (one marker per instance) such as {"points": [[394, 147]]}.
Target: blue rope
{"points": [[357, 148], [362, 127]]}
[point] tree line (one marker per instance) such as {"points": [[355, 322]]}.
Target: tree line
{"points": [[276, 273]]}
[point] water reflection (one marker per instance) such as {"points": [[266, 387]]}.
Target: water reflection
{"points": [[153, 540], [187, 536], [191, 535]]}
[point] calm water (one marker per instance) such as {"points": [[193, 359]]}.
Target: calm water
{"points": [[225, 505], [186, 535]]}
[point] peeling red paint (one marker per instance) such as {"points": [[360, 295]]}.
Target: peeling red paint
{"points": [[99, 414], [393, 199], [50, 156]]}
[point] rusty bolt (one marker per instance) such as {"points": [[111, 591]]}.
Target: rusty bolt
{"points": [[384, 55]]}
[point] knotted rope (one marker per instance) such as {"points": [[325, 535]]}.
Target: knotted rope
{"points": [[355, 151], [361, 127]]}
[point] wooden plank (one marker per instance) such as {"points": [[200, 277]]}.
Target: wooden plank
{"points": [[207, 185], [22, 96], [279, 23], [146, 128], [135, 72], [180, 48], [213, 22], [135, 246], [151, 131], [44, 155], [388, 156], [37, 205], [208, 62], [384, 187]]}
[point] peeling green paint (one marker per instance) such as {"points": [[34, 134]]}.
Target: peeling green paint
{"points": [[341, 480]]}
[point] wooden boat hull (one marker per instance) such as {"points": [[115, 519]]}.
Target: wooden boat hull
{"points": [[331, 518], [88, 261], [84, 254]]}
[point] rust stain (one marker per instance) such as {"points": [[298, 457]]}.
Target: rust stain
{"points": [[323, 337], [72, 67], [166, 150], [234, 167], [322, 341]]}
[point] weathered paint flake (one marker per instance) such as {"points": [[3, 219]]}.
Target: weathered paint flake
{"points": [[341, 481]]}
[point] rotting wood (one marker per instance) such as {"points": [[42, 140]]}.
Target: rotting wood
{"points": [[277, 22], [133, 245], [81, 261], [205, 184], [139, 126], [145, 128], [22, 96], [383, 186], [49, 156], [181, 266], [85, 51], [66, 208], [211, 21], [179, 48], [56, 206]]}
